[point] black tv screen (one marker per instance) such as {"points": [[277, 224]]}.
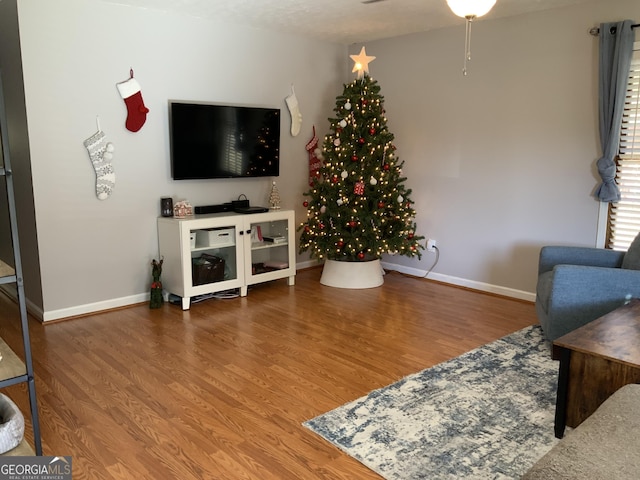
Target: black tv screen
{"points": [[223, 141]]}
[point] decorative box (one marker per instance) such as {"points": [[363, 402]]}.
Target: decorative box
{"points": [[216, 237]]}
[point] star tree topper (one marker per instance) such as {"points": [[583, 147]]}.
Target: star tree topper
{"points": [[361, 64]]}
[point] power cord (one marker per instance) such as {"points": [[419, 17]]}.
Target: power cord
{"points": [[233, 293], [435, 261]]}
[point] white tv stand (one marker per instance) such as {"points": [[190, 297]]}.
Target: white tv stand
{"points": [[241, 240]]}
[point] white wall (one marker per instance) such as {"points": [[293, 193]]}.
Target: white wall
{"points": [[96, 254], [501, 161]]}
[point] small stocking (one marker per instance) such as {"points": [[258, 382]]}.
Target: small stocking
{"points": [[294, 110], [100, 153], [136, 110], [315, 158]]}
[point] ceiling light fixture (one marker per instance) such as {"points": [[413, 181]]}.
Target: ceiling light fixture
{"points": [[469, 10]]}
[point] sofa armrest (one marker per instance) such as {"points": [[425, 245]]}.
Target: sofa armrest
{"points": [[550, 256]]}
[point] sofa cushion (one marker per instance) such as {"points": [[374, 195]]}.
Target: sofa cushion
{"points": [[631, 259]]}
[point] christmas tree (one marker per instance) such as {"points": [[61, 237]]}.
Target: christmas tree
{"points": [[358, 208]]}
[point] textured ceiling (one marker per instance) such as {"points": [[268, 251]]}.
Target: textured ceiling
{"points": [[340, 21]]}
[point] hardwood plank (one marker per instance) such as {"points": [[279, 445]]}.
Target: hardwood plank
{"points": [[221, 391]]}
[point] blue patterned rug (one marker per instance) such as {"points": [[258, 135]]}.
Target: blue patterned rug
{"points": [[487, 414]]}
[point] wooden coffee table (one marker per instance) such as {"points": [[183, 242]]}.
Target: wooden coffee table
{"points": [[595, 361]]}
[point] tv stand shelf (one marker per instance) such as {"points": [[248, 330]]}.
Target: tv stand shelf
{"points": [[193, 246], [261, 245]]}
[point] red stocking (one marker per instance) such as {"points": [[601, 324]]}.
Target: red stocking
{"points": [[136, 110], [315, 158]]}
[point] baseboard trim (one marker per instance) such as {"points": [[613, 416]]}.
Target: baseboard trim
{"points": [[89, 308], [32, 309], [308, 264], [463, 282]]}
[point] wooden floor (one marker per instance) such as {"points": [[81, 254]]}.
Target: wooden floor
{"points": [[220, 391]]}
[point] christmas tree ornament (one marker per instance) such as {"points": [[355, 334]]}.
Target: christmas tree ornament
{"points": [[343, 123], [336, 142], [358, 188], [101, 154], [347, 106], [361, 63], [344, 174], [132, 96], [373, 181], [294, 109]]}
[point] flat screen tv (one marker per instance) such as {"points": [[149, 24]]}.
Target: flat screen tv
{"points": [[223, 141]]}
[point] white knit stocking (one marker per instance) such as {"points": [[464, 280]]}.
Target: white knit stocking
{"points": [[100, 153], [294, 110]]}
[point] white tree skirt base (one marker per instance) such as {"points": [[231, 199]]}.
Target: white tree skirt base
{"points": [[352, 274]]}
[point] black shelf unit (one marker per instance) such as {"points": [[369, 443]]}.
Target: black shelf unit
{"points": [[14, 370]]}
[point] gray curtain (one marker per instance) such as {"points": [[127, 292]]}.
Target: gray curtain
{"points": [[616, 49]]}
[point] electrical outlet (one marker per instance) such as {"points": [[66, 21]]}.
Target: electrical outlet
{"points": [[431, 245]]}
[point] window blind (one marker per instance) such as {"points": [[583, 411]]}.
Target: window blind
{"points": [[624, 216]]}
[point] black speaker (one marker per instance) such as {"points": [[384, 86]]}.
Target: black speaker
{"points": [[204, 209], [166, 207]]}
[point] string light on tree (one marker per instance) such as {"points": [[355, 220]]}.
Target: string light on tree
{"points": [[359, 208]]}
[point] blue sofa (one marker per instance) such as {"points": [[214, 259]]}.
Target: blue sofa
{"points": [[576, 285]]}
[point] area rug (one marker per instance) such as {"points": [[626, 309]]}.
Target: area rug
{"points": [[487, 414]]}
